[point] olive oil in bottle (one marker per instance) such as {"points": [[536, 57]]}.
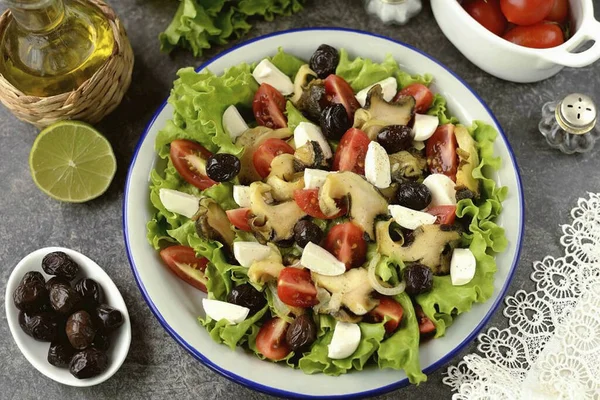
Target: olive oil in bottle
{"points": [[51, 47]]}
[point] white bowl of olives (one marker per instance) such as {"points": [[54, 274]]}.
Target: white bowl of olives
{"points": [[67, 317]]}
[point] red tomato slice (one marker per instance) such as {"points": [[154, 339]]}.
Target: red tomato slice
{"points": [[308, 201], [445, 214], [239, 218], [539, 36], [295, 288], [388, 307], [346, 242], [268, 106], [526, 12], [441, 152], [183, 262], [488, 14], [351, 152], [189, 159], [339, 91], [426, 326], [271, 341], [266, 152], [421, 93], [559, 12]]}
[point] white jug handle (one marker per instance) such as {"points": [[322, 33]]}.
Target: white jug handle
{"points": [[590, 30]]}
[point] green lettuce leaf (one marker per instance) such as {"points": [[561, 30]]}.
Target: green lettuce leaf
{"points": [[287, 63], [233, 335], [200, 24], [294, 116]]}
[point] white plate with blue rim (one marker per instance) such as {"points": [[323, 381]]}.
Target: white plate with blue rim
{"points": [[177, 305]]}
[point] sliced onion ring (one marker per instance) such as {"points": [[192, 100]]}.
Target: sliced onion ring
{"points": [[377, 284]]}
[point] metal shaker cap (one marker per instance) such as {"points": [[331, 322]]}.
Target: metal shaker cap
{"points": [[576, 114]]}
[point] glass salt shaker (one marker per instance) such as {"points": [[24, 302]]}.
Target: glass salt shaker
{"points": [[570, 124], [393, 11]]}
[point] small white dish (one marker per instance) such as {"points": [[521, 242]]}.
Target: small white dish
{"points": [[512, 62], [37, 352]]}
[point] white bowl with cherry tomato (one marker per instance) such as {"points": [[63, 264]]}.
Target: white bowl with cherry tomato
{"points": [[174, 280], [521, 40]]}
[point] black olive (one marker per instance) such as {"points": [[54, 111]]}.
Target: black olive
{"points": [[463, 194], [88, 363], [54, 280], [413, 195], [60, 354], [301, 333], [247, 296], [80, 330], [90, 292], [31, 294], [101, 341], [107, 318], [418, 278], [64, 299], [60, 264], [223, 167], [395, 138], [42, 326], [306, 231], [334, 121], [324, 61]]}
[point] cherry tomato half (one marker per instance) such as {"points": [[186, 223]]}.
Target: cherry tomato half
{"points": [[308, 201], [239, 218], [183, 262], [351, 152], [268, 106], [488, 14], [266, 152], [539, 36], [337, 90], [559, 12], [346, 242], [421, 93], [446, 215], [526, 12], [441, 152], [271, 342], [426, 326], [189, 159], [390, 308], [296, 288]]}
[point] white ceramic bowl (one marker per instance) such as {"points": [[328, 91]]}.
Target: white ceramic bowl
{"points": [[37, 352], [177, 305], [512, 62]]}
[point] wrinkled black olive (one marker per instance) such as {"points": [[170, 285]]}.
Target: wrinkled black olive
{"points": [[223, 167], [413, 195], [107, 318], [463, 194], [395, 138], [88, 363], [31, 294], [43, 326], [60, 264], [301, 333], [90, 292], [306, 231], [80, 330], [247, 296], [418, 278], [334, 121], [60, 354], [64, 299], [324, 61], [101, 341], [54, 280]]}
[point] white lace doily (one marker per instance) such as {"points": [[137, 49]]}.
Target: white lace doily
{"points": [[551, 349]]}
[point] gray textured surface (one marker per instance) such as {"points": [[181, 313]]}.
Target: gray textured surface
{"points": [[156, 366]]}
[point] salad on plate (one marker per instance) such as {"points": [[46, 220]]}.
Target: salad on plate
{"points": [[332, 210]]}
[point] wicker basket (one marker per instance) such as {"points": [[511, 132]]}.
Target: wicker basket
{"points": [[94, 99]]}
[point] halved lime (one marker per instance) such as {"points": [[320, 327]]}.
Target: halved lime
{"points": [[71, 161]]}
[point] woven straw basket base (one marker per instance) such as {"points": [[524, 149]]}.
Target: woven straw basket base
{"points": [[94, 99]]}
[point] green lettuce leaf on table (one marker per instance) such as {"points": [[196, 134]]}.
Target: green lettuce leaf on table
{"points": [[200, 24]]}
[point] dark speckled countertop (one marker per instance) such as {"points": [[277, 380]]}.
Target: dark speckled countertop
{"points": [[157, 367]]}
